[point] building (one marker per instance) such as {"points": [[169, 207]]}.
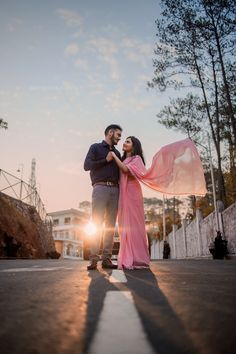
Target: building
{"points": [[68, 232]]}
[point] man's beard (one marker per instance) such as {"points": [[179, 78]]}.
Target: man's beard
{"points": [[113, 141]]}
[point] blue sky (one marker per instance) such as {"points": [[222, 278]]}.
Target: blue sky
{"points": [[68, 69]]}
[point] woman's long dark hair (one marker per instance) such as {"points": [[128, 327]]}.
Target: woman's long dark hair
{"points": [[137, 148]]}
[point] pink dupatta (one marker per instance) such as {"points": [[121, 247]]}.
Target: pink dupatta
{"points": [[176, 169]]}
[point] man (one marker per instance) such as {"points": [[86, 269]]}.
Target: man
{"points": [[166, 250], [104, 174]]}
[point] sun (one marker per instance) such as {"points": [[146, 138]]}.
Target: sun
{"points": [[90, 228]]}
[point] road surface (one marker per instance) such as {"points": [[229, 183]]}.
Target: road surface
{"points": [[176, 306]]}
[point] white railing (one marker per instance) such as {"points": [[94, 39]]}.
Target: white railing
{"points": [[18, 189]]}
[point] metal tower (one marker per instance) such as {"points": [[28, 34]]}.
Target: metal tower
{"points": [[32, 183]]}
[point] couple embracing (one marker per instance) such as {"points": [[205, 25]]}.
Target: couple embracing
{"points": [[176, 169]]}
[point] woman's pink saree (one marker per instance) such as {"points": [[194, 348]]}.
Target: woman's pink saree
{"points": [[176, 170]]}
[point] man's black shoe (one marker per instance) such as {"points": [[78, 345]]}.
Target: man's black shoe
{"points": [[107, 264], [92, 265]]}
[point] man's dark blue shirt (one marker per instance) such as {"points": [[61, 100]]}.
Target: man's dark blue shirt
{"points": [[96, 163]]}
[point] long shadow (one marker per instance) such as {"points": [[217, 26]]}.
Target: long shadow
{"points": [[161, 324], [163, 327], [98, 288]]}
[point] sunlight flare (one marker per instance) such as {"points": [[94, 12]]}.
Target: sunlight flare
{"points": [[90, 228]]}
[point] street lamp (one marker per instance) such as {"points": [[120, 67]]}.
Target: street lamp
{"points": [[209, 155]]}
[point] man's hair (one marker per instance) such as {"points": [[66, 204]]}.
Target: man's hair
{"points": [[113, 127]]}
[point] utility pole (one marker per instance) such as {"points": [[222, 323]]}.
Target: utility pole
{"points": [[209, 155], [213, 184], [164, 218]]}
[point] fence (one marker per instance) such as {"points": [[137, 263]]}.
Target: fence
{"points": [[193, 240], [18, 189]]}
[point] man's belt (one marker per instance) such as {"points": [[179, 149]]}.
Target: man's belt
{"points": [[106, 183]]}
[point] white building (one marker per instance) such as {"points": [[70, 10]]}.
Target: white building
{"points": [[68, 232]]}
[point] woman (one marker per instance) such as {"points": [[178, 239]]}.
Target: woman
{"points": [[176, 169]]}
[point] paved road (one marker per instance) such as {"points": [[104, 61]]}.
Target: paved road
{"points": [[55, 306]]}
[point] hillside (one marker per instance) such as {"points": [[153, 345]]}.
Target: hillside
{"points": [[22, 232]]}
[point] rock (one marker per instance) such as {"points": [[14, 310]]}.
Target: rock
{"points": [[22, 233], [53, 255]]}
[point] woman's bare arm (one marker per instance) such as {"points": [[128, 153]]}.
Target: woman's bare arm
{"points": [[120, 164]]}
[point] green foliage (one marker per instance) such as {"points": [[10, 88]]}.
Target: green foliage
{"points": [[85, 204], [152, 201], [3, 124], [184, 114], [154, 216]]}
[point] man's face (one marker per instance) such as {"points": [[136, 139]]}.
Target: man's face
{"points": [[115, 136]]}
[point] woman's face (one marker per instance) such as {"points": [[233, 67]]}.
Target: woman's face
{"points": [[128, 145]]}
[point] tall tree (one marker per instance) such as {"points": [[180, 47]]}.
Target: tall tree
{"points": [[219, 25], [195, 44]]}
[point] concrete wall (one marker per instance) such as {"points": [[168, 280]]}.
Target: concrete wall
{"points": [[229, 227], [193, 240]]}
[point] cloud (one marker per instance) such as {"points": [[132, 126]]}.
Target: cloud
{"points": [[71, 49], [71, 18], [140, 84], [82, 63], [138, 105], [77, 34], [106, 50], [112, 30], [70, 87], [13, 25], [143, 78], [104, 46], [137, 51], [13, 96], [114, 68], [95, 83], [135, 44], [110, 55], [111, 52], [113, 102]]}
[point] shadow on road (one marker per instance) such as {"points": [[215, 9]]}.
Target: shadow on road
{"points": [[98, 288], [161, 324]]}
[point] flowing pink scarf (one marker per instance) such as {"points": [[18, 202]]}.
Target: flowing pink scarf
{"points": [[176, 169]]}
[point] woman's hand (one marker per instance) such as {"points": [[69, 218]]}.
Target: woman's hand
{"points": [[119, 163], [109, 156]]}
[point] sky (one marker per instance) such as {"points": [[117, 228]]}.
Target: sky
{"points": [[68, 69]]}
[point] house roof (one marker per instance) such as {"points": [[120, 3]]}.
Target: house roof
{"points": [[69, 212]]}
